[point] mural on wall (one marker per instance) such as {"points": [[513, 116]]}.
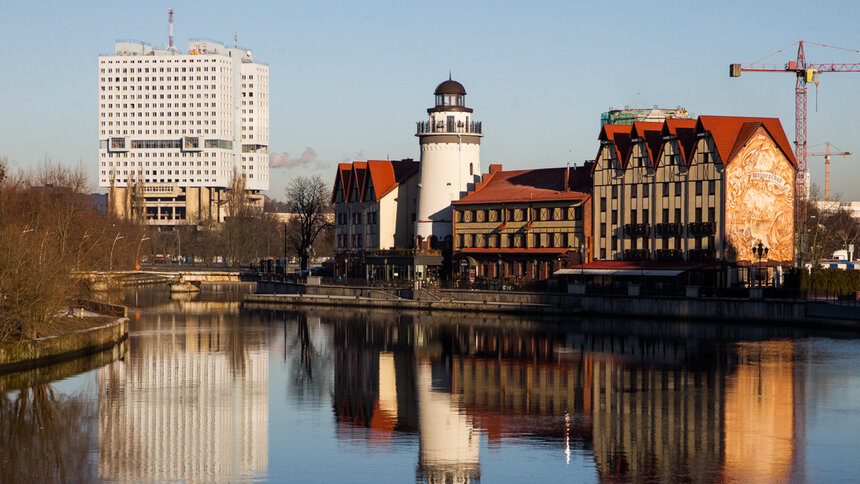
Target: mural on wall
{"points": [[760, 200]]}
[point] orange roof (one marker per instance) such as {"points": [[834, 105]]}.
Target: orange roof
{"points": [[650, 134], [544, 184], [619, 135], [685, 132], [383, 175], [730, 133]]}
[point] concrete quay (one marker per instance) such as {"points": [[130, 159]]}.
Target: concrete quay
{"points": [[797, 313]]}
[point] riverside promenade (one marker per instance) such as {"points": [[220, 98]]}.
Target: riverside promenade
{"points": [[799, 313]]}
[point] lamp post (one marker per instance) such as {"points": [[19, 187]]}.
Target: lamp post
{"points": [[118, 236], [137, 255], [759, 251]]}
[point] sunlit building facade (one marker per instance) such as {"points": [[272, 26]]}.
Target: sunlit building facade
{"points": [[176, 130]]}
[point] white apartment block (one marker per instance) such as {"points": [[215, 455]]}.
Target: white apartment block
{"points": [[174, 128]]}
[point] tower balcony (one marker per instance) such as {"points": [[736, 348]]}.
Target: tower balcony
{"points": [[427, 127]]}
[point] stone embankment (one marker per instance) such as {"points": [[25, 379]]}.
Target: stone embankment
{"points": [[728, 310], [21, 355]]}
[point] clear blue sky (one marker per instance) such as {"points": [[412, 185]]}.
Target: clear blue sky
{"points": [[349, 79]]}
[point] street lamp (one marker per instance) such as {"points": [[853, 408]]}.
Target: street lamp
{"points": [[118, 236], [759, 251], [137, 255]]}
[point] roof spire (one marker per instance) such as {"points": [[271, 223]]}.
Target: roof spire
{"points": [[449, 74]]}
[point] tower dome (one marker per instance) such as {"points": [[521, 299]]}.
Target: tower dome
{"points": [[450, 96], [450, 87]]}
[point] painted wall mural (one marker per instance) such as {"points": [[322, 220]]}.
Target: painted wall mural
{"points": [[760, 201]]}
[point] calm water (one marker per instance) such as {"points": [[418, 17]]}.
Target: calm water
{"points": [[206, 392]]}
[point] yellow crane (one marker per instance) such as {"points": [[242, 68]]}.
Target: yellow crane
{"points": [[827, 154]]}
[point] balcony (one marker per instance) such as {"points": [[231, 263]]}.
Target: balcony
{"points": [[702, 229], [667, 255], [636, 254], [426, 127], [703, 255], [669, 230], [636, 230]]}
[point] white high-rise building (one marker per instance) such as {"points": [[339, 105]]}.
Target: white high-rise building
{"points": [[174, 128], [450, 163]]}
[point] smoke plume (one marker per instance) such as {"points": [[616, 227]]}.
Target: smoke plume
{"points": [[283, 160]]}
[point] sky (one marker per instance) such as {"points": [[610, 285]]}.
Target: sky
{"points": [[348, 80]]}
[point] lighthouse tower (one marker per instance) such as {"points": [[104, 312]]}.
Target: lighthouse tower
{"points": [[450, 163]]}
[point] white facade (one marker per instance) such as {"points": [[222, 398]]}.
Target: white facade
{"points": [[450, 160], [176, 120]]}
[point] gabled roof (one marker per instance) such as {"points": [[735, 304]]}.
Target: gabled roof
{"points": [[545, 184], [373, 178], [684, 130], [730, 133], [650, 134], [619, 136]]}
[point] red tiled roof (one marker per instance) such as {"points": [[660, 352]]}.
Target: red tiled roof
{"points": [[685, 132], [729, 131], [543, 184], [619, 135], [650, 133], [383, 175]]}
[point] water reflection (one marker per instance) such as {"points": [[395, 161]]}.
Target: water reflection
{"points": [[191, 401], [666, 403]]}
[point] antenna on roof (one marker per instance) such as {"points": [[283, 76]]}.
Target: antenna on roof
{"points": [[236, 39], [449, 74], [567, 178], [170, 45]]}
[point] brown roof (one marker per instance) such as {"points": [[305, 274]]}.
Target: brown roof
{"points": [[383, 175], [730, 133], [545, 184]]}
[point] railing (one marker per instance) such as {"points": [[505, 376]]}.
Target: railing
{"points": [[427, 127], [636, 254], [700, 229], [667, 255], [669, 229], [703, 255], [636, 230]]}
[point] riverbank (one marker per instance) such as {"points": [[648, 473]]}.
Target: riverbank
{"points": [[812, 314], [73, 343]]}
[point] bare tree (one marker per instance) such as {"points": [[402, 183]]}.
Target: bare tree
{"points": [[308, 201]]}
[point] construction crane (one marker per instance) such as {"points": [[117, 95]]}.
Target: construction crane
{"points": [[827, 154], [805, 73]]}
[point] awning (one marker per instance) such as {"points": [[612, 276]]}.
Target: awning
{"points": [[620, 272]]}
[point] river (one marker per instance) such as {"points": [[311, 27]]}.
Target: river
{"points": [[204, 391]]}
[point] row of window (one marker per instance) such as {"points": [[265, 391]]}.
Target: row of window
{"points": [[520, 214], [645, 219], [532, 240], [634, 190], [666, 243], [356, 218]]}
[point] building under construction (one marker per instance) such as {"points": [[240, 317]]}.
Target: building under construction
{"points": [[628, 116]]}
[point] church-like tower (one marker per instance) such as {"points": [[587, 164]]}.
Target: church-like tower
{"points": [[450, 163]]}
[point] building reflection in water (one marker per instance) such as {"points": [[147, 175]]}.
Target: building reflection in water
{"points": [[190, 403], [669, 403]]}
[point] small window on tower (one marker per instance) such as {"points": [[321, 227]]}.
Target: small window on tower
{"points": [[471, 169]]}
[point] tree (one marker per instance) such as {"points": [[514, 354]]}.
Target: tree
{"points": [[308, 202]]}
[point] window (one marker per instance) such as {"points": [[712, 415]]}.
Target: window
{"points": [[665, 189], [712, 187], [677, 189], [602, 204], [645, 191], [698, 214], [665, 215], [633, 216], [614, 243], [677, 215], [711, 215], [633, 191], [614, 217], [698, 188], [614, 191], [602, 229], [645, 218]]}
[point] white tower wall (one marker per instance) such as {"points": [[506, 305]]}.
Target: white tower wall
{"points": [[448, 170]]}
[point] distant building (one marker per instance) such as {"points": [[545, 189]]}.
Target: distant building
{"points": [[628, 116], [174, 130], [374, 214], [704, 190], [523, 224]]}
